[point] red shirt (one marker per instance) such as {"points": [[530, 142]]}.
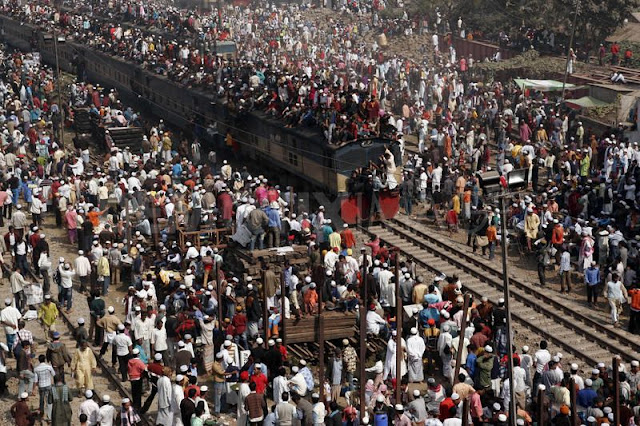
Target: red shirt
{"points": [[135, 367], [155, 368], [283, 352], [445, 409], [261, 382], [239, 322], [197, 388], [635, 299]]}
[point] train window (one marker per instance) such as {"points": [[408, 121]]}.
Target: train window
{"points": [[293, 159]]}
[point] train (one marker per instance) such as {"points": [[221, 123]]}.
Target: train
{"points": [[299, 156]]}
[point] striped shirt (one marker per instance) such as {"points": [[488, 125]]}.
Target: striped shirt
{"points": [[44, 374]]}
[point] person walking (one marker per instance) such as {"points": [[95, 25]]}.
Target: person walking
{"points": [[18, 283], [58, 355], [83, 269], [83, 365], [616, 294], [21, 413], [47, 314], [9, 317], [66, 284], [45, 379], [135, 370], [61, 398], [164, 416], [107, 412]]}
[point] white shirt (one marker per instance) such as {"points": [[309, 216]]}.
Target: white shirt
{"points": [[318, 413], [10, 315], [159, 339], [518, 378], [106, 415], [91, 409], [122, 343], [36, 205], [66, 277], [374, 322], [83, 266], [542, 357]]}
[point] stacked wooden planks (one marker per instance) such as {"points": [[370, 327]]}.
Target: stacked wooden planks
{"points": [[337, 325], [249, 263]]}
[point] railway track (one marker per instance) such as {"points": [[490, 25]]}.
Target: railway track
{"points": [[558, 321], [108, 379]]}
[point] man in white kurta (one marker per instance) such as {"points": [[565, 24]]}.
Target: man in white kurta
{"points": [[280, 385], [415, 351], [444, 349], [390, 361], [242, 412], [177, 395], [165, 415], [387, 288]]}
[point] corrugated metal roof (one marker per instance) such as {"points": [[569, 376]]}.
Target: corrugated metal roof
{"points": [[628, 32]]}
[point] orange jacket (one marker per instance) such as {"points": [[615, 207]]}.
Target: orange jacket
{"points": [[558, 235], [635, 299]]}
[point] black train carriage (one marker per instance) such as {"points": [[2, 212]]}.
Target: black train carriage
{"points": [[299, 157]]}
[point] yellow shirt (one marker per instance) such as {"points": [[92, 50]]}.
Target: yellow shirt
{"points": [[334, 240], [456, 204], [48, 313]]}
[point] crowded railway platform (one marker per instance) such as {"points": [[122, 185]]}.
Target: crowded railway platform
{"points": [[165, 282]]}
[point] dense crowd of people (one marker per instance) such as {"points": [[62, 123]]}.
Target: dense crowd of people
{"points": [[188, 319]]}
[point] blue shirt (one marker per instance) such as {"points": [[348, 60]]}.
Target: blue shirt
{"points": [[177, 169], [471, 364], [274, 218], [586, 397], [592, 276]]}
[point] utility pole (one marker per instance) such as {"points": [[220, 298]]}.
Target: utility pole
{"points": [[505, 283], [321, 346], [615, 366], [399, 354], [59, 87], [283, 298], [363, 335], [573, 32], [463, 327]]}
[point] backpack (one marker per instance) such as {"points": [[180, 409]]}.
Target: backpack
{"points": [[57, 277]]}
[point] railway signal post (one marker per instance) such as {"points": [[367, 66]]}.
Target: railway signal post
{"points": [[463, 327], [499, 187], [505, 278], [363, 335], [399, 354]]}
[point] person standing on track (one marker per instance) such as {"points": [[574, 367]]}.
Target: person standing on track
{"points": [[135, 370], [592, 281], [66, 284], [109, 323], [616, 295], [122, 345]]}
